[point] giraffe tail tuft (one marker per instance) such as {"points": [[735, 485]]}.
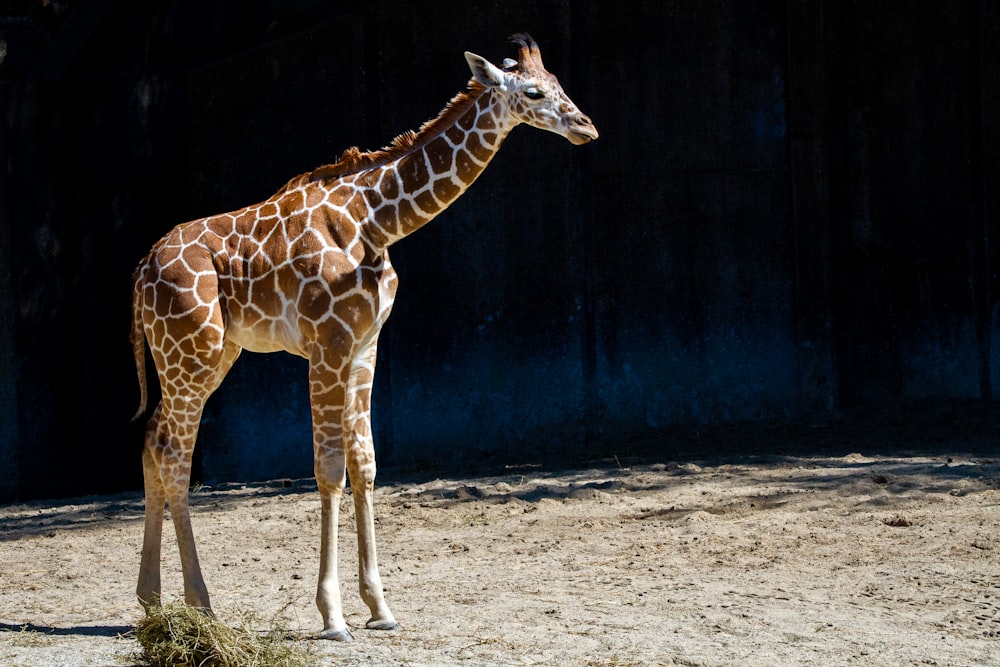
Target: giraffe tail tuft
{"points": [[138, 338]]}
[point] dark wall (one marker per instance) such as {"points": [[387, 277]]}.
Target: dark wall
{"points": [[789, 212], [915, 285]]}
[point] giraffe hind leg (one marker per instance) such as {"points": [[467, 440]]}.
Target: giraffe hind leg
{"points": [[167, 472], [203, 382], [167, 456], [148, 588]]}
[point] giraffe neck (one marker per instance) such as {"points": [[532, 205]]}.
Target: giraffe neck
{"points": [[410, 191]]}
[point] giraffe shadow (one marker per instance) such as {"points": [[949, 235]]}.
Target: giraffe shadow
{"points": [[26, 632], [74, 631], [47, 518]]}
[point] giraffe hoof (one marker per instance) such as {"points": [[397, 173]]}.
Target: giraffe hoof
{"points": [[337, 635], [390, 624]]}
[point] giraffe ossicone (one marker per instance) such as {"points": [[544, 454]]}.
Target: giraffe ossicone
{"points": [[307, 271]]}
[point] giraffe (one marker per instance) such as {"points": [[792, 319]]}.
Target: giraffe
{"points": [[307, 271]]}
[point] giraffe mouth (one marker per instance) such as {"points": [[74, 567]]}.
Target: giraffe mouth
{"points": [[581, 129], [580, 137]]}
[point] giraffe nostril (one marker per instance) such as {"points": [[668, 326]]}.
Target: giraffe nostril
{"points": [[583, 120]]}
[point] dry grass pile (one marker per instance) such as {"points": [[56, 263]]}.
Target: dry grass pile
{"points": [[176, 635]]}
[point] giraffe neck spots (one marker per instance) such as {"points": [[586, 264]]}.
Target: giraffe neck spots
{"points": [[414, 189]]}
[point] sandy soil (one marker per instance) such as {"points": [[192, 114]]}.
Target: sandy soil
{"points": [[767, 560]]}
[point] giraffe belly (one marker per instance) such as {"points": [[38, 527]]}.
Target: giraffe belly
{"points": [[266, 336]]}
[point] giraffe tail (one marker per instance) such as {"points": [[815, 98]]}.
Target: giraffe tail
{"points": [[138, 338]]}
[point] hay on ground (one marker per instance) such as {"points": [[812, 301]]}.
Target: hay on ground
{"points": [[176, 635]]}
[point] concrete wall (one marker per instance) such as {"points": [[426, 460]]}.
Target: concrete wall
{"points": [[786, 214]]}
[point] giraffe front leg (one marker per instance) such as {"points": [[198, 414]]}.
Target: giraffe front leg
{"points": [[369, 579], [361, 466], [330, 477]]}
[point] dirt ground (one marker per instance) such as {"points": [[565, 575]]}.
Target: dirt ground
{"points": [[773, 559]]}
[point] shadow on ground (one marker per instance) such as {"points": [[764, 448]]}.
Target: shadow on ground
{"points": [[936, 446]]}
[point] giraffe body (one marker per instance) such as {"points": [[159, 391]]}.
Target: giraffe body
{"points": [[307, 271]]}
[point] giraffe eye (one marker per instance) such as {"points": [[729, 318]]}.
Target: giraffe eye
{"points": [[533, 93]]}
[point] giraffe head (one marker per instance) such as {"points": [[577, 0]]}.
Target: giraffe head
{"points": [[533, 94]]}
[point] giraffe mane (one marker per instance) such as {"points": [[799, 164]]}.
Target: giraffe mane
{"points": [[354, 160]]}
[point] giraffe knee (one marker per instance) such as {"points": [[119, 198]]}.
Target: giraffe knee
{"points": [[330, 472], [362, 469]]}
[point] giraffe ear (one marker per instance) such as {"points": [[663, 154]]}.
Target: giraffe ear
{"points": [[486, 72]]}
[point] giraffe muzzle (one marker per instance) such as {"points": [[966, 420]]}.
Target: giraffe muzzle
{"points": [[582, 130]]}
